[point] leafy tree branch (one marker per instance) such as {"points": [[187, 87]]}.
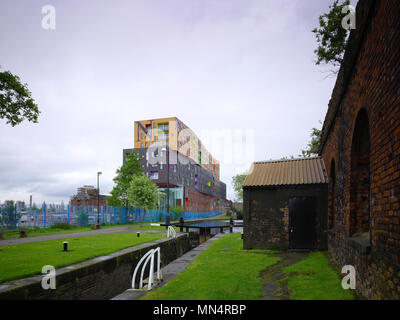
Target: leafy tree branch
{"points": [[16, 102]]}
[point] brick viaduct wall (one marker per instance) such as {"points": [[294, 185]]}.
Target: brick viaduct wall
{"points": [[361, 149], [99, 278]]}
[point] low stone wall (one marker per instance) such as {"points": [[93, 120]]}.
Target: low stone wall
{"points": [[99, 278]]}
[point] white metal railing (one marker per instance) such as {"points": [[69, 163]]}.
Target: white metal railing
{"points": [[171, 233], [149, 256]]}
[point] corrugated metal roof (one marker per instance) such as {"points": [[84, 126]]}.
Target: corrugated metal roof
{"points": [[287, 172]]}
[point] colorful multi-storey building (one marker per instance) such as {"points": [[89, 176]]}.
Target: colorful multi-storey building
{"points": [[194, 173]]}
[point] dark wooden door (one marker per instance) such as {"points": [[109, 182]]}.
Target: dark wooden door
{"points": [[302, 224]]}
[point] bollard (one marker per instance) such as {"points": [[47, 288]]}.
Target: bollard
{"points": [[181, 222], [138, 234], [65, 246]]}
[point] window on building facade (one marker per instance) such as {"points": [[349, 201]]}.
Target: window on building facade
{"points": [[163, 131], [154, 175]]}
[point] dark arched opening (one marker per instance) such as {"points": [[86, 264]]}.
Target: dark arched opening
{"points": [[332, 196], [359, 220]]}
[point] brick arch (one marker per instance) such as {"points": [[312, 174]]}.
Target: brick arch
{"points": [[332, 195], [359, 218]]}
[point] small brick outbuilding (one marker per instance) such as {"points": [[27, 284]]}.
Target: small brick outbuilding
{"points": [[285, 205]]}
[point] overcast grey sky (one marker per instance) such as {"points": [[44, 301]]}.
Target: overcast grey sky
{"points": [[214, 64]]}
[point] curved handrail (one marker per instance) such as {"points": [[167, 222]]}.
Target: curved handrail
{"points": [[150, 257], [159, 274], [171, 232], [138, 265], [146, 258]]}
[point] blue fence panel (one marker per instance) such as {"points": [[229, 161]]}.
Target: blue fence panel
{"points": [[87, 215]]}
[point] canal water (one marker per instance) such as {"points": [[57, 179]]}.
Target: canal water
{"points": [[216, 224]]}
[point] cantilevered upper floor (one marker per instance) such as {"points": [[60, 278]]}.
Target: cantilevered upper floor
{"points": [[179, 137]]}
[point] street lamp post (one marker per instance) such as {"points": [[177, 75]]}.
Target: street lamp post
{"points": [[98, 199], [168, 216]]}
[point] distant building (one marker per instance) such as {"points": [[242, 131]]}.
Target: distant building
{"points": [[87, 196], [193, 172]]}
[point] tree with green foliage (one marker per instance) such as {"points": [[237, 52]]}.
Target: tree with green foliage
{"points": [[142, 193], [123, 178], [7, 214], [314, 145], [16, 103], [332, 38], [237, 183]]}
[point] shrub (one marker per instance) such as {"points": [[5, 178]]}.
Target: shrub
{"points": [[82, 217], [175, 212], [23, 232], [61, 225]]}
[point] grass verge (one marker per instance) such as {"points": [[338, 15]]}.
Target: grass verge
{"points": [[314, 279], [224, 271], [34, 232], [22, 260]]}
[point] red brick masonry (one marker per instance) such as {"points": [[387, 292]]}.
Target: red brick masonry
{"points": [[361, 150]]}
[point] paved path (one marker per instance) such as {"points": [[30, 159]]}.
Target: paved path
{"points": [[57, 236], [274, 287], [171, 270]]}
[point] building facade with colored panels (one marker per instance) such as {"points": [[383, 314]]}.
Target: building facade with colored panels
{"points": [[180, 137], [194, 181]]}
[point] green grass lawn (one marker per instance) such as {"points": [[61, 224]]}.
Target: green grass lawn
{"points": [[222, 272], [33, 232], [314, 279], [21, 260], [223, 218]]}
